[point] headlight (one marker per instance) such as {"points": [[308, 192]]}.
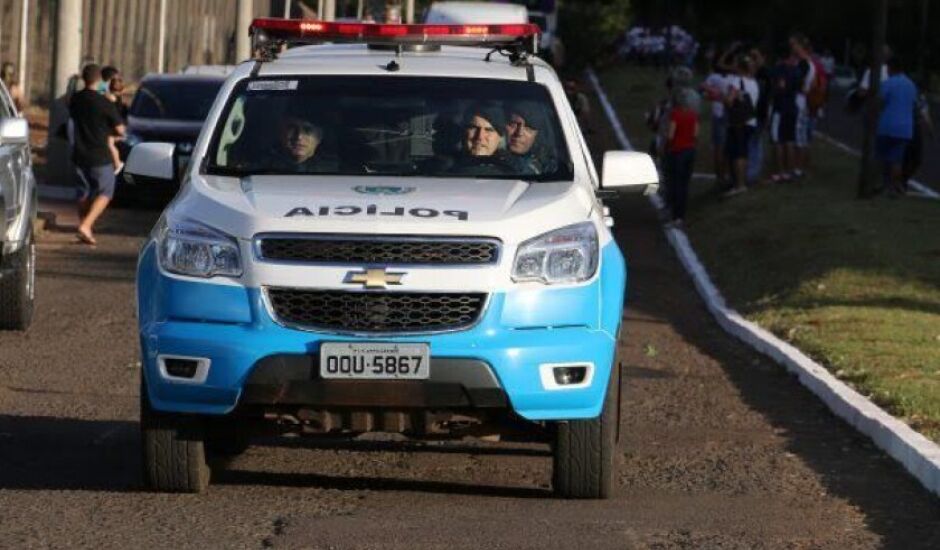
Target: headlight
{"points": [[190, 248], [566, 255]]}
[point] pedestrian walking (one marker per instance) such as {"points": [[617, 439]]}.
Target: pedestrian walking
{"points": [[679, 160], [94, 120], [895, 124]]}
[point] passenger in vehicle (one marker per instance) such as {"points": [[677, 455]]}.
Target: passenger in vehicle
{"points": [[299, 146], [484, 127], [524, 122]]}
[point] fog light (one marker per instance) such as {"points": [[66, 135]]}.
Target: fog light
{"points": [[191, 370], [185, 368], [565, 376]]}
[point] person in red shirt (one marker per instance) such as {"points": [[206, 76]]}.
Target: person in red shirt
{"points": [[681, 140]]}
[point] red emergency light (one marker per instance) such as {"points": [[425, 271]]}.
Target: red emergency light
{"points": [[265, 31]]}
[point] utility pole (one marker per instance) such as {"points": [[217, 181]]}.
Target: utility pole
{"points": [[286, 9], [242, 23], [24, 47], [869, 169], [409, 11], [329, 10], [161, 39], [68, 44]]}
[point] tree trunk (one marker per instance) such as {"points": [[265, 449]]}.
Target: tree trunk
{"points": [[870, 173]]}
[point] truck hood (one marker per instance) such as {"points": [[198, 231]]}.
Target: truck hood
{"points": [[508, 209]]}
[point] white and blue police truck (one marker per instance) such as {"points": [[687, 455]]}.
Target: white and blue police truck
{"points": [[384, 228]]}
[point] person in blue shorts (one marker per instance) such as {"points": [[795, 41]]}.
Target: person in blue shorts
{"points": [[895, 124]]}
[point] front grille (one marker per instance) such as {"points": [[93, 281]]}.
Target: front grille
{"points": [[387, 312], [385, 251]]}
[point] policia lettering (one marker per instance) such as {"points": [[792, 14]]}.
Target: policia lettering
{"points": [[373, 210]]}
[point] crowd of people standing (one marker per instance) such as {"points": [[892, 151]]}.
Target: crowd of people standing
{"points": [[754, 101]]}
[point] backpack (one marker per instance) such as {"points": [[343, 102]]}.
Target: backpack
{"points": [[819, 89], [742, 110]]}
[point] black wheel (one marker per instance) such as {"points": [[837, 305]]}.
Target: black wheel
{"points": [[18, 289], [174, 455], [584, 450]]}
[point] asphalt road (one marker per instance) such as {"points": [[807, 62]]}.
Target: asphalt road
{"points": [[721, 448]]}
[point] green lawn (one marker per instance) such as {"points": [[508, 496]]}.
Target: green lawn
{"points": [[855, 284]]}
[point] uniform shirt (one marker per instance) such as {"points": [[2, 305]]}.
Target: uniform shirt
{"points": [[94, 119], [899, 99]]}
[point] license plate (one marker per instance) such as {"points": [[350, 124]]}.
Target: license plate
{"points": [[375, 361]]}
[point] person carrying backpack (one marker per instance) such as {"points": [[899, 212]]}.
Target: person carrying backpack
{"points": [[741, 105]]}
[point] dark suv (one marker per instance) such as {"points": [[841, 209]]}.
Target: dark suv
{"points": [[168, 108]]}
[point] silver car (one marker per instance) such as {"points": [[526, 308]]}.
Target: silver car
{"points": [[18, 202]]}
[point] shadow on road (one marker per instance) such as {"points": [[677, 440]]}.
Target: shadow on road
{"points": [[357, 483], [64, 454], [44, 453]]}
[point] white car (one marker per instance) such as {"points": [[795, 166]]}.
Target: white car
{"points": [[395, 234], [463, 13]]}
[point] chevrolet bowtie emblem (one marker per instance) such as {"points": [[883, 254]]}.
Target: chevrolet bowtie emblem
{"points": [[373, 278]]}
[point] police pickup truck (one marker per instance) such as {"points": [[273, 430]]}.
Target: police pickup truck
{"points": [[401, 231]]}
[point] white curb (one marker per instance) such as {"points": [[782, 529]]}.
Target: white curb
{"points": [[918, 186], [919, 455]]}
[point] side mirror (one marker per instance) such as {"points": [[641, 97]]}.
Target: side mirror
{"points": [[150, 160], [629, 171], [14, 131]]}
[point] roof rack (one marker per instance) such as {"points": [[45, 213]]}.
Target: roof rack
{"points": [[269, 35]]}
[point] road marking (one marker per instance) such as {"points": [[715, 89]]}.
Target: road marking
{"points": [[919, 455]]}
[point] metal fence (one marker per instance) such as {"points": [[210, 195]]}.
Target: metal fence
{"points": [[124, 33]]}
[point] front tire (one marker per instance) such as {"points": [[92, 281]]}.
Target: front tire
{"points": [[17, 289], [584, 450], [174, 454]]}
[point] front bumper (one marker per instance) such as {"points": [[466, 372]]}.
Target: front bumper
{"points": [[518, 333]]}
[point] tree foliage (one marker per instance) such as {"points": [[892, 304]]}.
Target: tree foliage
{"points": [[590, 28]]}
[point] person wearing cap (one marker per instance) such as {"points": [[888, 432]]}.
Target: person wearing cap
{"points": [[484, 127], [524, 121]]}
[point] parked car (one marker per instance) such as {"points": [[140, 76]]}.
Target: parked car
{"points": [[18, 203], [169, 108]]}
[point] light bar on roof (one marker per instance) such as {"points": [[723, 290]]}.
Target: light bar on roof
{"points": [[265, 30]]}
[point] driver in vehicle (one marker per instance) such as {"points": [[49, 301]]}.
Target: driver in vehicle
{"points": [[524, 119], [299, 145]]}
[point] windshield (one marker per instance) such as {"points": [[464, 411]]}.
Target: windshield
{"points": [[403, 126], [175, 99]]}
